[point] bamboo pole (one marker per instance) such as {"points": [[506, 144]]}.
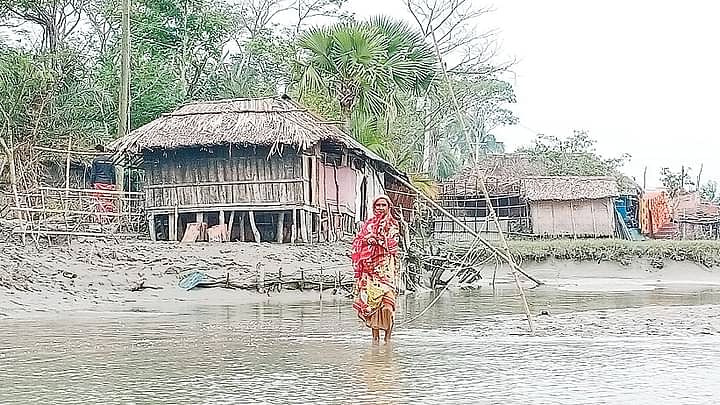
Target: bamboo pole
{"points": [[72, 233], [304, 227], [230, 224], [151, 228], [294, 229], [90, 191], [281, 227], [70, 212], [699, 176], [253, 225], [61, 151], [242, 227], [506, 256]]}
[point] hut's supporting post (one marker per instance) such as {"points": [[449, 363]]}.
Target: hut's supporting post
{"points": [[293, 229], [303, 227], [221, 218], [253, 225], [120, 178], [331, 232], [199, 217], [151, 228], [172, 227], [242, 227], [281, 227], [230, 225], [310, 219]]}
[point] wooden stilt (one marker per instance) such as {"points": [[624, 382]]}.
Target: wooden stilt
{"points": [[199, 217], [332, 231], [304, 227], [230, 224], [151, 228], [309, 221], [221, 218], [253, 225], [242, 227], [281, 227], [172, 227], [293, 228]]}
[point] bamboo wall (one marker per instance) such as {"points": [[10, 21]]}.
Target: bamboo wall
{"points": [[289, 196], [243, 181], [573, 218], [472, 210]]}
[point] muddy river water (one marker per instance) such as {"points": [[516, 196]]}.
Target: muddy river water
{"points": [[658, 346]]}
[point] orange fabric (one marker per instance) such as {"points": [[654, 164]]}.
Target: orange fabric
{"points": [[654, 212]]}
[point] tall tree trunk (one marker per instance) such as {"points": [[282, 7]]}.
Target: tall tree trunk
{"points": [[184, 57], [124, 108]]}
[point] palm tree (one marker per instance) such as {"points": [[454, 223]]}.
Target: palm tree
{"points": [[365, 65]]}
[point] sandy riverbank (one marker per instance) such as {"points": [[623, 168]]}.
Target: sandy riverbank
{"points": [[98, 275]]}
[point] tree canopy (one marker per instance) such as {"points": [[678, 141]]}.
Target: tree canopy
{"points": [[59, 71]]}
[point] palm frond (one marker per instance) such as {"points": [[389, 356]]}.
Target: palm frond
{"points": [[425, 184]]}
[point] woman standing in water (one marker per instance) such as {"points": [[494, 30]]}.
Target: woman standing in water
{"points": [[373, 256]]}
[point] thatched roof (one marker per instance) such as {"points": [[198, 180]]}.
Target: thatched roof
{"points": [[268, 121], [509, 166], [569, 188], [502, 172]]}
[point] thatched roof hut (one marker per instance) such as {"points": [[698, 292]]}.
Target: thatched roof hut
{"points": [[269, 162], [569, 188], [572, 206]]}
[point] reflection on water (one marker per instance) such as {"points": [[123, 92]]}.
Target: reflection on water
{"points": [[659, 347]]}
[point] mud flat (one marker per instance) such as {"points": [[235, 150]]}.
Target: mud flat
{"points": [[100, 275]]}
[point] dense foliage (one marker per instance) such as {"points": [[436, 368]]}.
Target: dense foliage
{"points": [[425, 96]]}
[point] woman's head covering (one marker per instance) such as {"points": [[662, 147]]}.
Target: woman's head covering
{"points": [[382, 197], [383, 228]]}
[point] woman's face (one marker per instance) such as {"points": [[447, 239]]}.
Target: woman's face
{"points": [[381, 207]]}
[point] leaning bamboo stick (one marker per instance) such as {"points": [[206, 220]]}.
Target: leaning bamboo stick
{"points": [[90, 191], [70, 233], [61, 151], [75, 212]]}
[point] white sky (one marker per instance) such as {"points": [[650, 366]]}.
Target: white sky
{"points": [[642, 76]]}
